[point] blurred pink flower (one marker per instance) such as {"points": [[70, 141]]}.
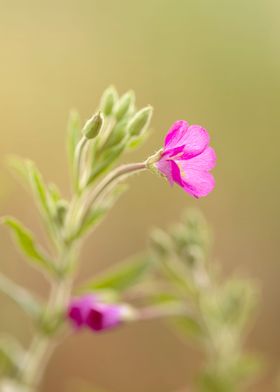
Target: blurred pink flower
{"points": [[79, 308], [88, 311], [186, 159], [104, 316]]}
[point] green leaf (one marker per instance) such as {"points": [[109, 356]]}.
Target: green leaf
{"points": [[40, 190], [246, 367], [44, 196], [188, 327], [54, 193], [123, 276], [239, 302], [19, 167], [105, 162], [160, 297], [11, 356], [99, 212], [137, 141], [20, 296], [212, 381], [93, 219], [26, 243]]}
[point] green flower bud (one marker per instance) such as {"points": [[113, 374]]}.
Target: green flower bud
{"points": [[61, 211], [118, 135], [92, 126], [108, 100], [140, 121], [124, 104]]}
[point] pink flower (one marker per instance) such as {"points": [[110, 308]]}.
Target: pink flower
{"points": [[88, 311], [79, 308], [187, 159], [104, 316]]}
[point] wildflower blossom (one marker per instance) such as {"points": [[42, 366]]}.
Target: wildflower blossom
{"points": [[104, 316], [79, 308], [89, 312], [187, 158]]}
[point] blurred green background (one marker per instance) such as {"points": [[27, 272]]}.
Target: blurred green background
{"points": [[212, 62]]}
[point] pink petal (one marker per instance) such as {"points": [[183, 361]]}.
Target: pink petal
{"points": [[176, 173], [204, 162], [195, 140], [198, 183], [175, 133], [170, 170], [78, 309], [104, 316], [164, 167]]}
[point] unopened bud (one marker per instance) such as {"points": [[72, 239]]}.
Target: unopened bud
{"points": [[61, 211], [89, 312], [93, 126], [140, 121], [108, 100], [118, 135], [124, 104]]}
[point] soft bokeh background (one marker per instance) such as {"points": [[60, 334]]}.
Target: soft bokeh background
{"points": [[214, 62]]}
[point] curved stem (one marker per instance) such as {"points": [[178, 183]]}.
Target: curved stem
{"points": [[111, 179], [78, 161]]}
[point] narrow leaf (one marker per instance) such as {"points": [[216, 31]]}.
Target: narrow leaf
{"points": [[93, 219], [11, 356], [19, 167], [123, 276], [188, 327], [26, 243], [103, 165], [54, 193], [137, 141], [20, 296], [40, 190], [44, 196], [99, 212]]}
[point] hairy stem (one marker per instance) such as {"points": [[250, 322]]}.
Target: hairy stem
{"points": [[78, 161], [43, 344], [113, 178]]}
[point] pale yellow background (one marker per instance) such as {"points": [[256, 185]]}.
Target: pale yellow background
{"points": [[212, 62]]}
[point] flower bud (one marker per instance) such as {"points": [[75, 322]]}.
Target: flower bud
{"points": [[124, 104], [108, 100], [118, 135], [140, 121], [92, 126], [104, 316], [79, 308], [89, 311], [61, 211]]}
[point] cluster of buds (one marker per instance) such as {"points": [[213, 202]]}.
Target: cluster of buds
{"points": [[116, 126]]}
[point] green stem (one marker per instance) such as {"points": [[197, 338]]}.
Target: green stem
{"points": [[42, 344], [155, 312], [78, 161], [112, 179]]}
